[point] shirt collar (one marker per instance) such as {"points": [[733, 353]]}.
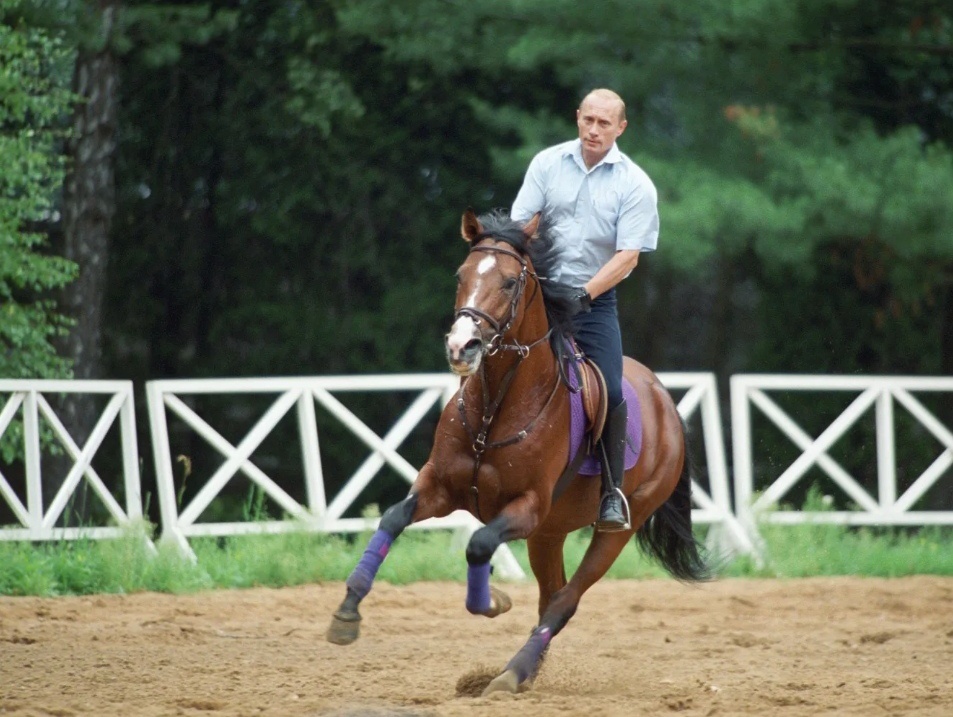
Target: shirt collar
{"points": [[574, 150]]}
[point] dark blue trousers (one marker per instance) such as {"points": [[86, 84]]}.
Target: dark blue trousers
{"points": [[599, 336]]}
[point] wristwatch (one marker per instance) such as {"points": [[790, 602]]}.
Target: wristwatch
{"points": [[585, 300]]}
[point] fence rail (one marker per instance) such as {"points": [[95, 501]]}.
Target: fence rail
{"points": [[26, 399], [302, 394], [319, 515], [880, 394], [714, 508], [733, 525]]}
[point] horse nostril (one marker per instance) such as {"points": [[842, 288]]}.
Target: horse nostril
{"points": [[472, 345]]}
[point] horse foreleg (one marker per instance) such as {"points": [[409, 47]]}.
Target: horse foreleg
{"points": [[516, 520], [345, 624], [602, 552]]}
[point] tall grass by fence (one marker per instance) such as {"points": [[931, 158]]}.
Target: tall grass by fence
{"points": [[126, 565]]}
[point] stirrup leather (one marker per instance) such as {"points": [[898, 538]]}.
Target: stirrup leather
{"points": [[615, 527]]}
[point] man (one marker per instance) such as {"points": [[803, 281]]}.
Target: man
{"points": [[603, 210]]}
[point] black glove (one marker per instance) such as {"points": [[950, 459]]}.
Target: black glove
{"points": [[581, 302]]}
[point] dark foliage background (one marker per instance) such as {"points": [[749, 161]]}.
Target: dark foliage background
{"points": [[289, 178]]}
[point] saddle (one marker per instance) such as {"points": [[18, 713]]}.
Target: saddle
{"points": [[587, 420], [595, 398]]}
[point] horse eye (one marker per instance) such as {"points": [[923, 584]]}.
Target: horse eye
{"points": [[509, 284]]}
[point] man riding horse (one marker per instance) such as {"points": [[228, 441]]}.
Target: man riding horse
{"points": [[504, 444], [603, 211]]}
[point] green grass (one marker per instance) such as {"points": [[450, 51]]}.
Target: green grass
{"points": [[85, 567], [126, 565], [821, 550]]}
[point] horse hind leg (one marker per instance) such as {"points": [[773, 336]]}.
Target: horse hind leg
{"points": [[602, 552], [548, 565], [346, 622], [549, 568]]}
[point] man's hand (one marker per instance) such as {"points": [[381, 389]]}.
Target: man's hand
{"points": [[581, 302]]}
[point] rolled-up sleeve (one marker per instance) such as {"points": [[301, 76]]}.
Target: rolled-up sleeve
{"points": [[638, 226], [532, 195]]}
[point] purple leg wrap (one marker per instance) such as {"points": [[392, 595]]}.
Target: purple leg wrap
{"points": [[362, 577], [478, 588], [526, 661]]}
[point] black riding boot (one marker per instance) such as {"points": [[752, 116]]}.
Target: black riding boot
{"points": [[613, 508]]}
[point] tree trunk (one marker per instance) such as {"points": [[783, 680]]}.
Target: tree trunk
{"points": [[89, 203], [946, 348], [946, 338]]}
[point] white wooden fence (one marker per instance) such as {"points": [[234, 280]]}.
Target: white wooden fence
{"points": [[727, 534], [881, 394], [318, 514], [301, 393], [735, 529], [26, 400]]}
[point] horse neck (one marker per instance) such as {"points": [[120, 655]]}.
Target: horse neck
{"points": [[538, 368]]}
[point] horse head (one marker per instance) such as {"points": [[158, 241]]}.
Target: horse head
{"points": [[491, 286]]}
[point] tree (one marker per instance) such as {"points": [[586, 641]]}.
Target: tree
{"points": [[290, 176], [88, 208], [98, 31], [289, 204], [304, 184], [34, 99]]}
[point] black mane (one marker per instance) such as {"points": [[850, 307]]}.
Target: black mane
{"points": [[544, 254]]}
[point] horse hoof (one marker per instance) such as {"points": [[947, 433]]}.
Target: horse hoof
{"points": [[344, 629], [499, 603], [506, 682]]}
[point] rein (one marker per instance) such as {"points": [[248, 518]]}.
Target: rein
{"points": [[495, 346]]}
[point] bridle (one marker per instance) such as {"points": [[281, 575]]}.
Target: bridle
{"points": [[495, 345]]}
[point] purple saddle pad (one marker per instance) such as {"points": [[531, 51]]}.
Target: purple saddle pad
{"points": [[591, 465]]}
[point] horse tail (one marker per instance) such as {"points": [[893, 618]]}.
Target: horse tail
{"points": [[667, 535]]}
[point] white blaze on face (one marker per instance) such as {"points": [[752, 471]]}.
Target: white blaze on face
{"points": [[465, 329], [486, 263]]}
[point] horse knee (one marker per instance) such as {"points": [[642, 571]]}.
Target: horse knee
{"points": [[483, 543], [399, 516]]}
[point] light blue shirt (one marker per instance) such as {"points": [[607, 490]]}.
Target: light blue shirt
{"points": [[594, 212]]}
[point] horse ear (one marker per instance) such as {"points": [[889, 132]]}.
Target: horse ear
{"points": [[531, 226], [470, 227]]}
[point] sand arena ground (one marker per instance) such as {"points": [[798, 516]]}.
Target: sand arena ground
{"points": [[839, 646]]}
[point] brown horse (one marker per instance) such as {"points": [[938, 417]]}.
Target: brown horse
{"points": [[501, 447]]}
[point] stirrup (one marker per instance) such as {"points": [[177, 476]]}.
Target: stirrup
{"points": [[614, 527]]}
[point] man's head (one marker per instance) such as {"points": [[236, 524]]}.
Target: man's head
{"points": [[601, 119]]}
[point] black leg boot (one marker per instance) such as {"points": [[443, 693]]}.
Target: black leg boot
{"points": [[614, 508]]}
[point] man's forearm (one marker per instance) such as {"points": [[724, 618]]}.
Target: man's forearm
{"points": [[614, 271]]}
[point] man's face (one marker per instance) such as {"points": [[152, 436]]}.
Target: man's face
{"points": [[599, 124]]}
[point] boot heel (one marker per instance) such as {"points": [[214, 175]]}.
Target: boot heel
{"points": [[619, 518]]}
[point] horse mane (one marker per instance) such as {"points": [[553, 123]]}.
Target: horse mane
{"points": [[544, 253]]}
